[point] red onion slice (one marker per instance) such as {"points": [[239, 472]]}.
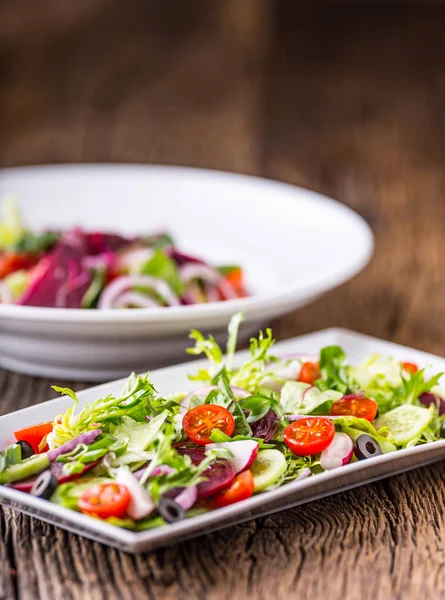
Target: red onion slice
{"points": [[203, 392], [106, 260], [212, 293], [187, 497], [135, 299], [305, 472], [159, 470], [191, 271], [84, 438], [122, 284]]}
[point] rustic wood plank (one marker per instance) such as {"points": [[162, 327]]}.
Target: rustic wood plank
{"points": [[342, 98]]}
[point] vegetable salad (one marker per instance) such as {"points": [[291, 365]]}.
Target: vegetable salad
{"points": [[141, 460], [80, 269]]}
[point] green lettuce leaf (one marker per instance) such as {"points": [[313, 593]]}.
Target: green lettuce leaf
{"points": [[139, 436], [355, 426], [298, 398], [162, 266], [333, 370], [35, 242]]}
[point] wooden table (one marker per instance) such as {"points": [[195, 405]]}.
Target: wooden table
{"points": [[347, 99]]}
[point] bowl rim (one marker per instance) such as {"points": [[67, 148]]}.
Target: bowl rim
{"points": [[252, 305]]}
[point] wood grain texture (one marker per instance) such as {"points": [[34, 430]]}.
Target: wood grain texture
{"points": [[344, 98]]}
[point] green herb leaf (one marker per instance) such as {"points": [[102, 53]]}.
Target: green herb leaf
{"points": [[333, 370], [35, 243], [258, 406], [162, 266], [96, 286]]}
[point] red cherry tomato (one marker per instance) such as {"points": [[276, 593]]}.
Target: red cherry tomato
{"points": [[199, 422], [14, 261], [34, 435], [309, 373], [363, 408], [240, 489], [309, 435], [105, 500], [410, 367]]}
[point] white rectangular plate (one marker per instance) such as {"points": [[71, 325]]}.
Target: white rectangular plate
{"points": [[174, 379]]}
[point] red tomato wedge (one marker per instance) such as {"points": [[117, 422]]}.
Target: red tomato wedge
{"points": [[410, 367], [241, 489], [199, 422], [363, 408], [236, 280], [34, 435], [309, 373], [13, 261], [105, 500], [309, 435]]}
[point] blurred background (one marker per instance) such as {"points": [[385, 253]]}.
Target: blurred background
{"points": [[345, 98]]}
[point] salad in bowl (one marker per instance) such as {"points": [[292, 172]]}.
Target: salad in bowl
{"points": [[105, 270], [141, 460]]}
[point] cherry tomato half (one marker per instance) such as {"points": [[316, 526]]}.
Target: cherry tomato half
{"points": [[309, 373], [105, 500], [363, 408], [240, 489], [309, 435], [34, 435], [199, 422], [410, 367]]}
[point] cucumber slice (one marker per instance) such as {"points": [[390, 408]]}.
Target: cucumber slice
{"points": [[405, 422], [267, 469]]}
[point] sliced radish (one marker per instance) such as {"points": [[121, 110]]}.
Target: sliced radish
{"points": [[141, 503], [244, 453], [203, 392], [338, 453], [218, 476]]}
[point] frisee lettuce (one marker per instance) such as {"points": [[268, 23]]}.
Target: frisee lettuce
{"points": [[251, 374], [135, 402]]}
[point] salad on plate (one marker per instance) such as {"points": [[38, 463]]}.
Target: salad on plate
{"points": [[103, 270], [142, 460]]}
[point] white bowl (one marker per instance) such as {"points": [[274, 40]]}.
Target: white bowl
{"points": [[293, 244]]}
